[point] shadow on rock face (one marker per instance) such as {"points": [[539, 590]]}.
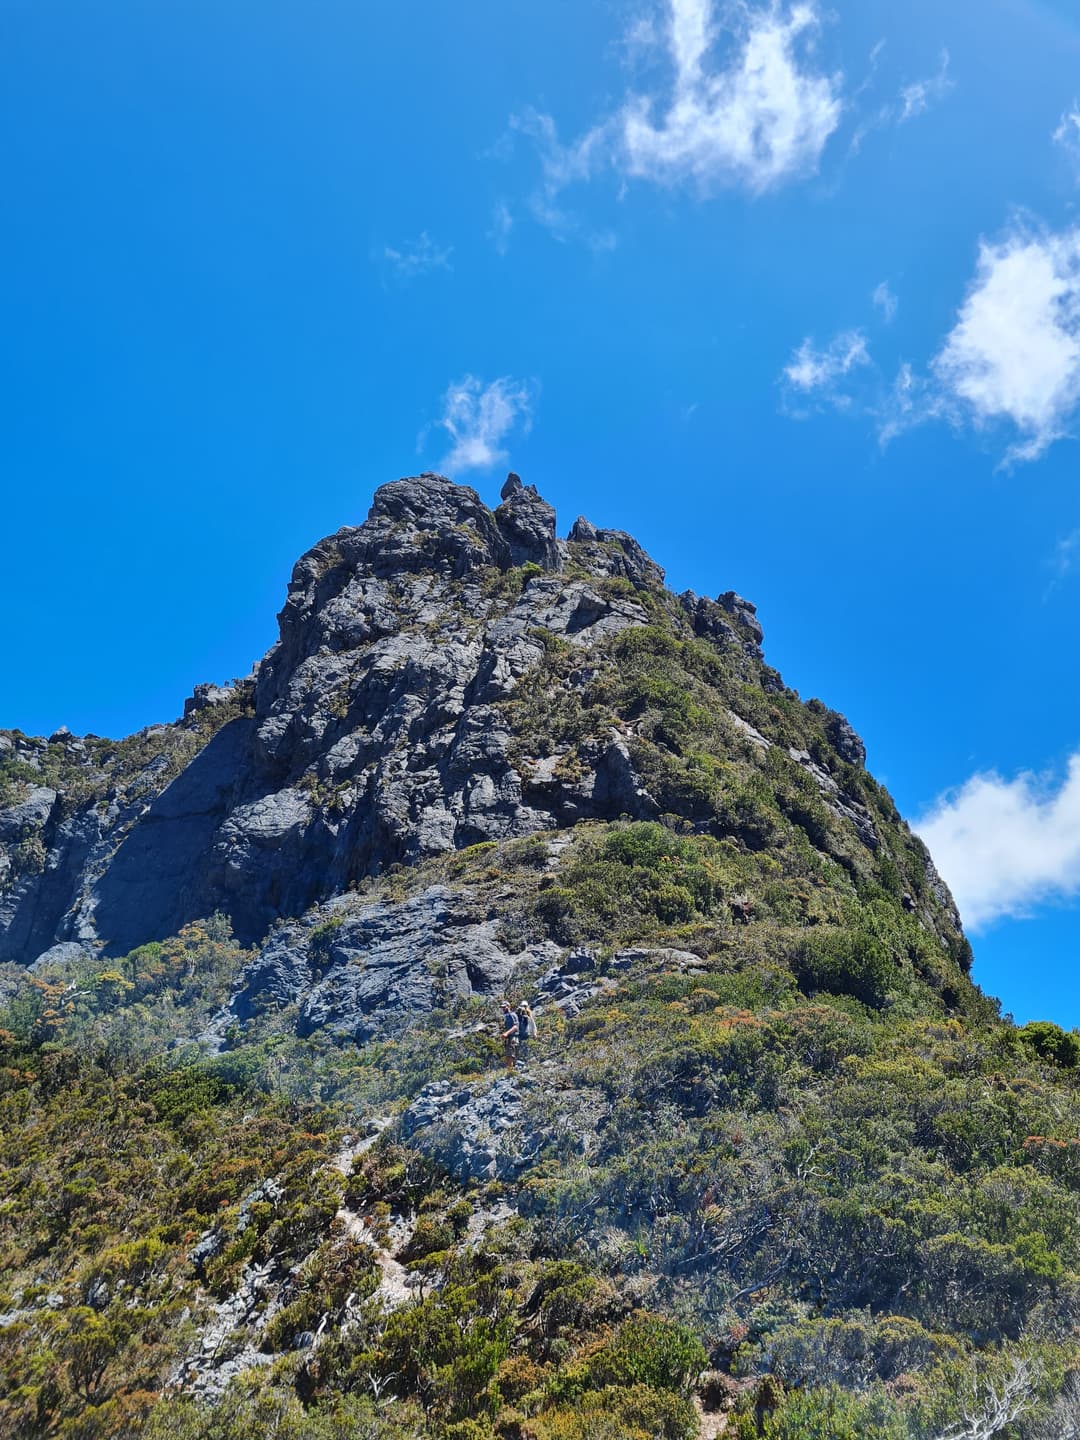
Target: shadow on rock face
{"points": [[158, 880]]}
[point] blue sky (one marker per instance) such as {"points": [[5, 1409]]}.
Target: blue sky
{"points": [[792, 293]]}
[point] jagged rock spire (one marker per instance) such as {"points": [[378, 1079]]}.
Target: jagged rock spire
{"points": [[528, 524]]}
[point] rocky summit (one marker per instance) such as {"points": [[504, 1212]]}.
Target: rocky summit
{"points": [[379, 730], [771, 1166]]}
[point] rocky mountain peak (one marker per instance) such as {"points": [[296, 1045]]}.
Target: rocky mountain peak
{"points": [[446, 674]]}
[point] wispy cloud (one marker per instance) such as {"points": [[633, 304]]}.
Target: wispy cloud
{"points": [[1067, 134], [869, 79], [917, 98], [502, 223], [911, 400], [733, 94], [1067, 555], [885, 300], [817, 372], [1005, 846], [912, 100], [418, 257], [1063, 562], [561, 166], [638, 44], [479, 417]]}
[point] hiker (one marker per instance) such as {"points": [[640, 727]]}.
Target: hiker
{"points": [[509, 1035], [526, 1030]]}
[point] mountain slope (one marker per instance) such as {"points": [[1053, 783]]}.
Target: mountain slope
{"points": [[260, 1159]]}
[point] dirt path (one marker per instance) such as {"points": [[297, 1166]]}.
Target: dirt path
{"points": [[396, 1287], [712, 1424], [352, 1149]]}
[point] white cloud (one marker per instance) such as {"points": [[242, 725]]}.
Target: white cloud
{"points": [[763, 119], [1014, 353], [812, 369], [1011, 360], [757, 116], [418, 258], [885, 301], [1004, 846], [479, 417], [735, 95], [916, 99]]}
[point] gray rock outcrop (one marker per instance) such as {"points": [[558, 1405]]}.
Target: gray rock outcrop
{"points": [[360, 971], [744, 614], [473, 1134]]}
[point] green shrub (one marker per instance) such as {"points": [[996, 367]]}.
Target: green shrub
{"points": [[433, 1234], [28, 855], [1051, 1042], [846, 962], [853, 1353], [634, 1412], [447, 1349], [831, 1414], [652, 1351]]}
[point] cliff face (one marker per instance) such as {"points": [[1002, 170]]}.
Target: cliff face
{"points": [[380, 729]]}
